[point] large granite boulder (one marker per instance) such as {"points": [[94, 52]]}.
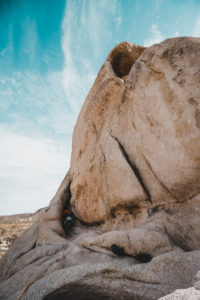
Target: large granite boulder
{"points": [[133, 187]]}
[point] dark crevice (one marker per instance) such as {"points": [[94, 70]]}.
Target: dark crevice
{"points": [[68, 197], [123, 57], [34, 245], [117, 250], [134, 169], [67, 206], [122, 64], [94, 125], [141, 256], [104, 157], [161, 183]]}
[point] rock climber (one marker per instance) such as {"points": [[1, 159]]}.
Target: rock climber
{"points": [[68, 220]]}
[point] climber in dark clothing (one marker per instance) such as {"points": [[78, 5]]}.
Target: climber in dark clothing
{"points": [[68, 220]]}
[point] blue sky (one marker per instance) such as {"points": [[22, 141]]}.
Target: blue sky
{"points": [[50, 53]]}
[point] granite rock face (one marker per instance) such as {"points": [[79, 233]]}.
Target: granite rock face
{"points": [[137, 139], [133, 187]]}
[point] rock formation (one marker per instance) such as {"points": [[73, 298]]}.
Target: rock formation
{"points": [[133, 187]]}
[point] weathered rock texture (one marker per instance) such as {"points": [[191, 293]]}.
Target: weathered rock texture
{"points": [[133, 186]]}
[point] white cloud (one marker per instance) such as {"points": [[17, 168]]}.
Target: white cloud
{"points": [[36, 142], [29, 39], [42, 110], [31, 171], [76, 85], [155, 36], [40, 104], [196, 31]]}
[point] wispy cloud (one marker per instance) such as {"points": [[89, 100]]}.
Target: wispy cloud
{"points": [[36, 105], [78, 73], [83, 45], [155, 36], [31, 171], [29, 42], [35, 140], [38, 112]]}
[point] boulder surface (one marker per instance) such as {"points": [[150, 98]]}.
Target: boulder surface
{"points": [[132, 188]]}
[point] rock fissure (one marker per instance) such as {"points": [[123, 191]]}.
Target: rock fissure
{"points": [[104, 156], [94, 125], [138, 280], [135, 169], [158, 179]]}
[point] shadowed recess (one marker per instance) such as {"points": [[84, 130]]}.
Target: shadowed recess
{"points": [[78, 292], [119, 251], [123, 57]]}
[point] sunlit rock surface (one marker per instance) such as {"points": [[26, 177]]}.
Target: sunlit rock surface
{"points": [[133, 186]]}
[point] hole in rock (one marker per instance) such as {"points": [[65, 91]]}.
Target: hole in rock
{"points": [[123, 56], [143, 257], [119, 251], [122, 64]]}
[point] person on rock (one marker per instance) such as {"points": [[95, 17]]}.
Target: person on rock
{"points": [[68, 220]]}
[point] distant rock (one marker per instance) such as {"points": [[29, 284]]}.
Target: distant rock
{"points": [[133, 187]]}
